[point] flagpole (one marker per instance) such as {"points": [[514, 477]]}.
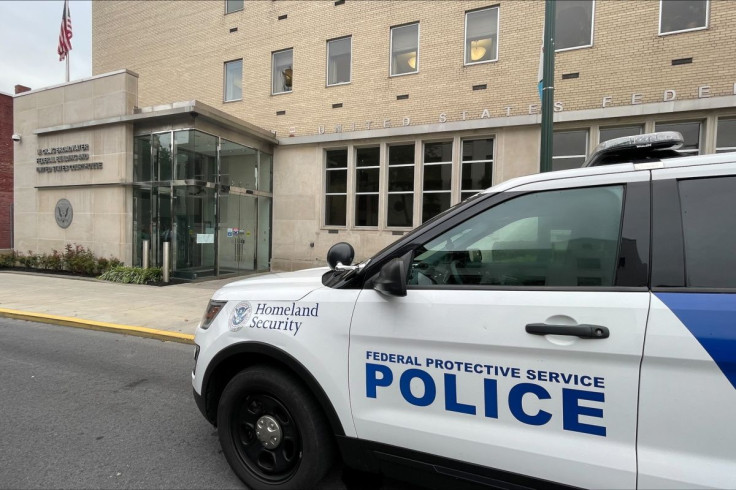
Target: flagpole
{"points": [[67, 66]]}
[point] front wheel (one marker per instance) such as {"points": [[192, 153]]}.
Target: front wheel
{"points": [[272, 431]]}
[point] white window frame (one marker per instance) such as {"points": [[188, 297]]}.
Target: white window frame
{"points": [[273, 70], [498, 36], [233, 11], [449, 163], [461, 163], [224, 87], [587, 144], [413, 192], [592, 33], [724, 149], [327, 67], [687, 152], [707, 21], [391, 49], [345, 169], [616, 126], [378, 193]]}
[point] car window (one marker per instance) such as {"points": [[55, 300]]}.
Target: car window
{"points": [[709, 229], [554, 238]]}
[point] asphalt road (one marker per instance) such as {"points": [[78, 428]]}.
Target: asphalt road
{"points": [[86, 409]]}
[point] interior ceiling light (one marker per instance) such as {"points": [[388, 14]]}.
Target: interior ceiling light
{"points": [[477, 51], [412, 61]]}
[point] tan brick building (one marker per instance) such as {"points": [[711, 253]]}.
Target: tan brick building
{"points": [[385, 113]]}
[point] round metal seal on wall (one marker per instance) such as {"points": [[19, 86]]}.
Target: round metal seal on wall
{"points": [[63, 213]]}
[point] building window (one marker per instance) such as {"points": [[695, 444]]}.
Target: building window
{"points": [[481, 36], [400, 204], [690, 132], [618, 132], [336, 187], [573, 24], [477, 166], [339, 60], [569, 149], [682, 16], [437, 180], [233, 6], [405, 49], [282, 71], [726, 135], [367, 184], [233, 80]]}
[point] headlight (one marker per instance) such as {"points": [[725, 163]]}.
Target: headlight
{"points": [[213, 308]]}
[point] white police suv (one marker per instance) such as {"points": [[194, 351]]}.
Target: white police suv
{"points": [[567, 329]]}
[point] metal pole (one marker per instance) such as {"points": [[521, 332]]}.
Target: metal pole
{"points": [[548, 87], [166, 261], [146, 248]]}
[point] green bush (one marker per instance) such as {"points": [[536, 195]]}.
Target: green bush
{"points": [[75, 258], [7, 259], [132, 275]]}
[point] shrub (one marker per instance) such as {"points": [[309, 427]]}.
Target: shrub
{"points": [[29, 261], [75, 258], [7, 259], [132, 275]]}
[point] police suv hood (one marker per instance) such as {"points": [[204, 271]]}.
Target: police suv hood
{"points": [[280, 286]]}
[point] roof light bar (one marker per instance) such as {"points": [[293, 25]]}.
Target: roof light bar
{"points": [[641, 146]]}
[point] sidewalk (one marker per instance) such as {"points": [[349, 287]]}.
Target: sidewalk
{"points": [[167, 313]]}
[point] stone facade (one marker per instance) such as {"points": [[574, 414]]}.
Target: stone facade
{"points": [[53, 118]]}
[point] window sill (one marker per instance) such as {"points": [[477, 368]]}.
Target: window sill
{"points": [[232, 100], [704, 28], [338, 84], [282, 93], [573, 48], [495, 60], [403, 74]]}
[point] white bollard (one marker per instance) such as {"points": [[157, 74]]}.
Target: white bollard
{"points": [[144, 257], [166, 262]]}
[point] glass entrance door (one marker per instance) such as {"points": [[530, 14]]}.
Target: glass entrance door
{"points": [[238, 231], [194, 232]]}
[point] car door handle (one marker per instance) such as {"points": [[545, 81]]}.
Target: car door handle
{"points": [[583, 331]]}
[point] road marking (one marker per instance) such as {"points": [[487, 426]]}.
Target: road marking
{"points": [[95, 325]]}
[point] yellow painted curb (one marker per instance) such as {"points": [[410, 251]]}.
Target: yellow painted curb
{"points": [[101, 326]]}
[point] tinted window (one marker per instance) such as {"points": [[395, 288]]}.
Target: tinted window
{"points": [[563, 238], [690, 132], [569, 149], [618, 132], [726, 135], [683, 15], [573, 23], [709, 227]]}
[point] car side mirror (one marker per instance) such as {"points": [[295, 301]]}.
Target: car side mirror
{"points": [[340, 253], [391, 278]]}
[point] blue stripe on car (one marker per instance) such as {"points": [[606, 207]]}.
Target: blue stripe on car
{"points": [[711, 318]]}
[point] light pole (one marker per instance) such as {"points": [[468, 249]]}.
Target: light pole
{"points": [[548, 87]]}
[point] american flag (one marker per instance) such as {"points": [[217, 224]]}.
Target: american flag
{"points": [[65, 36]]}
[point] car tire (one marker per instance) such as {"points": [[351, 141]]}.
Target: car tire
{"points": [[272, 431]]}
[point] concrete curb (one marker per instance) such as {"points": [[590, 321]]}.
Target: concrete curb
{"points": [[101, 326]]}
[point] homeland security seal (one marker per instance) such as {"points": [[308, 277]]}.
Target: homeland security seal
{"points": [[240, 316]]}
